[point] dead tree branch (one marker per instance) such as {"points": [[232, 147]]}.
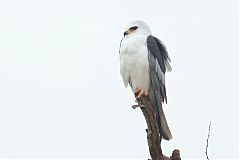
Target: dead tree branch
{"points": [[153, 134], [209, 129]]}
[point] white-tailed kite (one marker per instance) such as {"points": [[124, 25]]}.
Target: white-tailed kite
{"points": [[143, 63]]}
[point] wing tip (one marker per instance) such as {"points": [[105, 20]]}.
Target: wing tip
{"points": [[167, 136]]}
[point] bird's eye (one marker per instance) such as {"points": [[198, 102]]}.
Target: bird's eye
{"points": [[133, 28]]}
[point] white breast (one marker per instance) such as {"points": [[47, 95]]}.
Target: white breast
{"points": [[134, 65]]}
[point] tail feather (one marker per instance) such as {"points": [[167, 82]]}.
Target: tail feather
{"points": [[160, 116], [164, 129]]}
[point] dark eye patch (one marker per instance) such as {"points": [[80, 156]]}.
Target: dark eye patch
{"points": [[133, 28]]}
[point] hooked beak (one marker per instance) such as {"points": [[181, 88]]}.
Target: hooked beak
{"points": [[125, 33]]}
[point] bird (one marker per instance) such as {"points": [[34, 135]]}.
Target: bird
{"points": [[144, 61]]}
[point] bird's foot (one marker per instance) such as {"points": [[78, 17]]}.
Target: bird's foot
{"points": [[140, 92]]}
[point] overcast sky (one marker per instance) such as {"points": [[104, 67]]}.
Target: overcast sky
{"points": [[61, 94]]}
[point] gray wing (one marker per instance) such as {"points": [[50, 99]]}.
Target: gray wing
{"points": [[158, 65]]}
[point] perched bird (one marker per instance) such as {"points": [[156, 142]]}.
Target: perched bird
{"points": [[143, 63]]}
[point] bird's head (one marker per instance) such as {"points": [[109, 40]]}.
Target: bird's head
{"points": [[137, 27]]}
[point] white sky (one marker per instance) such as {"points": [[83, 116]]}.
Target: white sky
{"points": [[61, 94]]}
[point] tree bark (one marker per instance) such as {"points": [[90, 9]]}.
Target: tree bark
{"points": [[153, 134]]}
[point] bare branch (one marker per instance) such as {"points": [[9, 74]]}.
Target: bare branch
{"points": [[153, 134], [209, 129], [175, 155]]}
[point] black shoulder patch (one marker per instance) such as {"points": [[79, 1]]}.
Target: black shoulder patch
{"points": [[157, 50]]}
